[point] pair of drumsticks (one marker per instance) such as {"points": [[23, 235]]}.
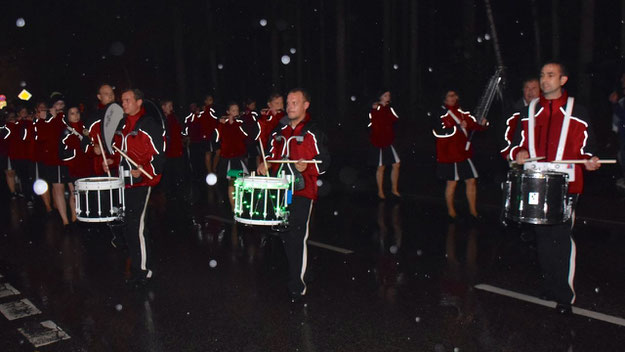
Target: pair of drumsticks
{"points": [[139, 167], [265, 161]]}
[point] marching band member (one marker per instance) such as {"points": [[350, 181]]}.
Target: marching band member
{"points": [[41, 169], [104, 122], [555, 127], [231, 136], [209, 123], [73, 153], [140, 136], [454, 152], [270, 117], [252, 126], [311, 146], [512, 134], [175, 167], [382, 120]]}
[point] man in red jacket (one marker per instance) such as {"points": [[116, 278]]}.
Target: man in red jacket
{"points": [[555, 127], [454, 152], [382, 120], [311, 146], [140, 136]]}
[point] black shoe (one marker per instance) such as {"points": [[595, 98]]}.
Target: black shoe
{"points": [[564, 309]]}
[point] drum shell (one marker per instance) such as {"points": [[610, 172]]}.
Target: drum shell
{"points": [[261, 200], [99, 199], [536, 197]]}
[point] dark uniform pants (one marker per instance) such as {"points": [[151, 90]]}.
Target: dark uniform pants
{"points": [[295, 243], [557, 257], [136, 232]]}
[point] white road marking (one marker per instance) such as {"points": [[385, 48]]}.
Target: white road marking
{"points": [[45, 333], [7, 290], [18, 309], [551, 304], [312, 243]]}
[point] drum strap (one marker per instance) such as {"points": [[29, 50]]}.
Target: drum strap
{"points": [[563, 132], [565, 127], [531, 122], [453, 116]]}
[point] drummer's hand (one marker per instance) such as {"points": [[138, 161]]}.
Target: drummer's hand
{"points": [[261, 169], [300, 166], [105, 164], [484, 122], [136, 173], [592, 164], [613, 98], [521, 156], [96, 149]]}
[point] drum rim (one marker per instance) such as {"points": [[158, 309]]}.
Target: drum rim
{"points": [[258, 222], [98, 183]]}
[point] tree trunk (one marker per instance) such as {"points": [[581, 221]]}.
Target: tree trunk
{"points": [[212, 52], [386, 44], [322, 55], [181, 77], [586, 45], [413, 57], [340, 58], [555, 29]]}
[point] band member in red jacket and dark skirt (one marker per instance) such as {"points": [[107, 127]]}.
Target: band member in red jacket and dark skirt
{"points": [[382, 120], [454, 151], [73, 153], [231, 136]]}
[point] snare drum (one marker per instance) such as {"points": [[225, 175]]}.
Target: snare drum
{"points": [[261, 200], [99, 199], [536, 197]]}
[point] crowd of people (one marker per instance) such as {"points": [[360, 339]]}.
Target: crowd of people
{"points": [[53, 144]]}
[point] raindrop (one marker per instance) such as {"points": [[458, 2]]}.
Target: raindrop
{"points": [[211, 179], [597, 289], [393, 249], [263, 22], [396, 66], [336, 213], [479, 39], [103, 57], [285, 59], [456, 349], [430, 69], [20, 22], [23, 84], [429, 113], [517, 21], [319, 183], [417, 319], [220, 66], [352, 98], [118, 307], [521, 33], [487, 36], [353, 278], [188, 313], [40, 187], [419, 252], [292, 50], [212, 263]]}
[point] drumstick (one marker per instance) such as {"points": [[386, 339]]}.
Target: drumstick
{"points": [[262, 152], [295, 161], [140, 168], [529, 160], [103, 155], [582, 161]]}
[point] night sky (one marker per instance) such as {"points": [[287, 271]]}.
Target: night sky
{"points": [[184, 50]]}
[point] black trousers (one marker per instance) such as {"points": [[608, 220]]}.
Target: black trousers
{"points": [[175, 176], [136, 232], [557, 257], [197, 155], [24, 171], [294, 241]]}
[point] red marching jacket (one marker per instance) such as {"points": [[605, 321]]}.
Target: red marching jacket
{"points": [[20, 140], [232, 138], [513, 125], [47, 139], [382, 120], [267, 122], [174, 148], [73, 150], [209, 123], [451, 139], [140, 136], [548, 130], [312, 147], [95, 131], [251, 126]]}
